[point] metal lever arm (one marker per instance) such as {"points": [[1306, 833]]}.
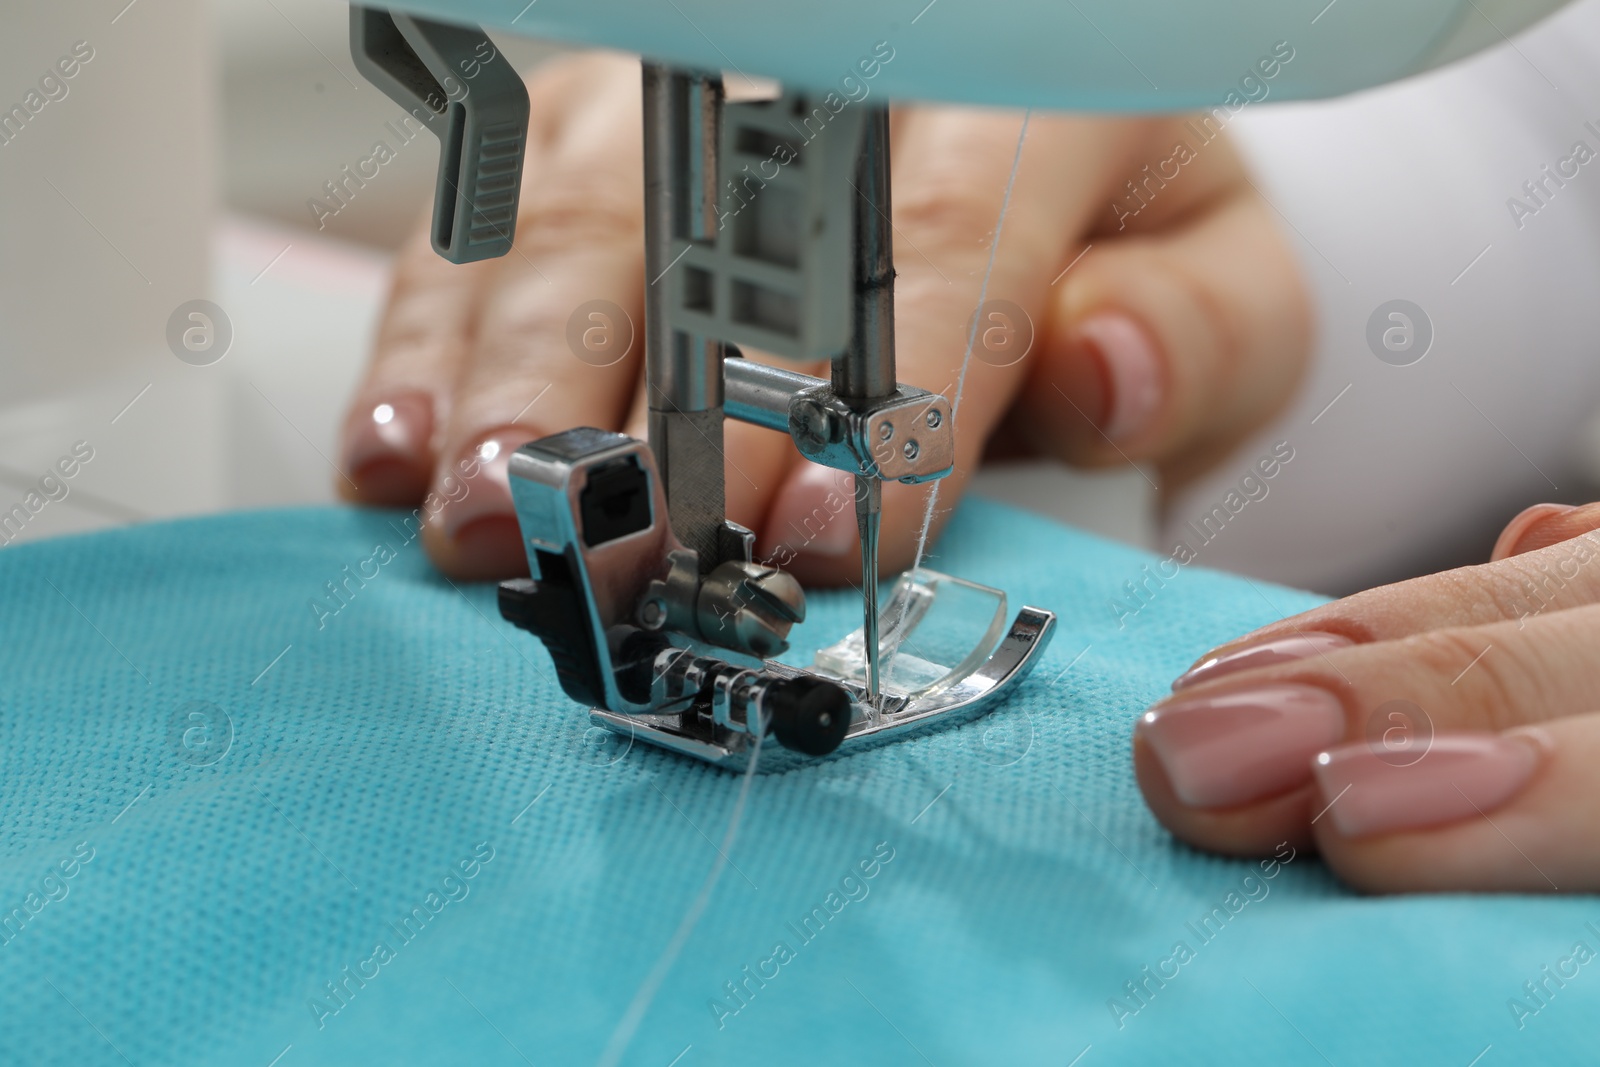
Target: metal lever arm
{"points": [[456, 83]]}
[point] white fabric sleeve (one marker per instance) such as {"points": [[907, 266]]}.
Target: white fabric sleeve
{"points": [[1411, 192]]}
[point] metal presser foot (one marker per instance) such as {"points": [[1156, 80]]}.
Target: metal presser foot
{"points": [[667, 655], [766, 225]]}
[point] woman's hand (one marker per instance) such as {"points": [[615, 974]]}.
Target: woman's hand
{"points": [[1182, 330], [1436, 735]]}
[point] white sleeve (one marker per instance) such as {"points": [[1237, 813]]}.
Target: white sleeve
{"points": [[1416, 192]]}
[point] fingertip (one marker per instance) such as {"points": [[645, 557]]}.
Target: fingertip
{"points": [[1544, 525], [484, 550], [1512, 539], [1063, 413], [385, 483], [757, 463], [1369, 790], [387, 449], [1197, 334], [474, 535], [1101, 392], [1537, 738], [1237, 747], [1125, 353], [1248, 831], [1479, 819], [811, 527]]}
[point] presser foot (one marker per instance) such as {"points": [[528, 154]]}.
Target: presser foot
{"points": [[917, 694], [681, 654]]}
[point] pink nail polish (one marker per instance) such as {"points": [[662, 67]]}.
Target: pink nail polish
{"points": [[1462, 776], [1132, 367], [478, 488], [1267, 653], [386, 446], [1234, 748], [815, 513], [1517, 528]]}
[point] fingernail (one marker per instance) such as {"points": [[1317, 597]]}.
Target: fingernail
{"points": [[386, 447], [1233, 748], [1518, 528], [1132, 367], [1262, 654], [478, 503], [490, 549], [815, 513], [1461, 776]]}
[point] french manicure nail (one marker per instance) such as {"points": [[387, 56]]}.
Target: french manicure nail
{"points": [[1267, 653], [485, 493], [1461, 776], [1228, 749], [1517, 529], [386, 446], [815, 513], [1127, 356]]}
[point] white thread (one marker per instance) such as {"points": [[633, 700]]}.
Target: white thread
{"points": [[622, 1036], [972, 334]]}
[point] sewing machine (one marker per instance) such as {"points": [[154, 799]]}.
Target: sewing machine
{"points": [[767, 226]]}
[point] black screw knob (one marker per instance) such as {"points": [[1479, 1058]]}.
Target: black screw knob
{"points": [[809, 715]]}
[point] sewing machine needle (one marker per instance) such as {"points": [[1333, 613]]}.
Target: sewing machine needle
{"points": [[869, 513]]}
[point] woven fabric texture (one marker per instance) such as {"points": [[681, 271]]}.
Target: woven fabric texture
{"points": [[236, 825]]}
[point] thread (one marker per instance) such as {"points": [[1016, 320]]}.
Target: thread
{"points": [[972, 334], [622, 1036]]}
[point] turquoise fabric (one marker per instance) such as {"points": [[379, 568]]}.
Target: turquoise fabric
{"points": [[402, 772]]}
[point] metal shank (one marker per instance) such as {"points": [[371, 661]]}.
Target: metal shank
{"points": [[683, 371]]}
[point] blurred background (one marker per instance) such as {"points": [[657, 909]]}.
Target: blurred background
{"points": [[178, 167], [176, 164]]}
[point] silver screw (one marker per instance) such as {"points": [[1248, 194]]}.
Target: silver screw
{"points": [[934, 419], [911, 449], [885, 430]]}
